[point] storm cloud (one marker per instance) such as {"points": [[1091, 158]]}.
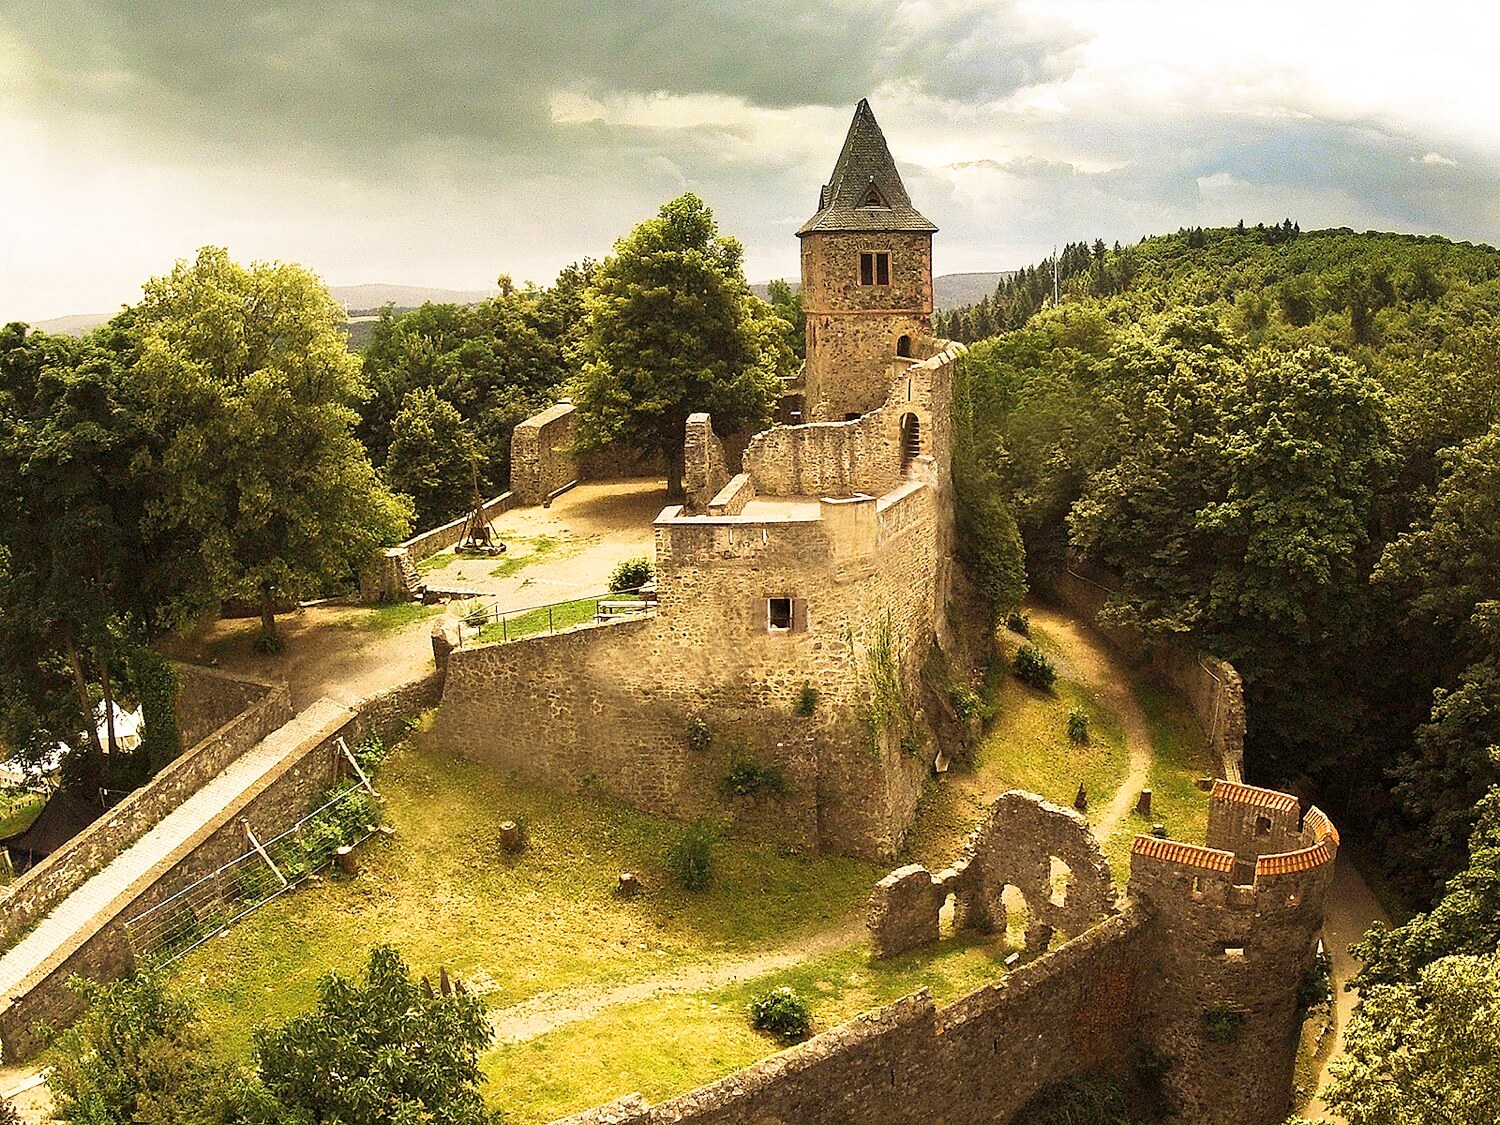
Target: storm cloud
{"points": [[445, 143]]}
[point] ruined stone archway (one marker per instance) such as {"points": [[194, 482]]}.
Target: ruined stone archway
{"points": [[1024, 842], [1041, 852]]}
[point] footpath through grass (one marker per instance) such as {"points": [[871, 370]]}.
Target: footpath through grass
{"points": [[675, 1042], [442, 891]]}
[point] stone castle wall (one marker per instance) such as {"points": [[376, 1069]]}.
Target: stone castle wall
{"points": [[541, 454], [205, 695], [101, 950], [1230, 951], [853, 330], [975, 1061], [611, 705]]}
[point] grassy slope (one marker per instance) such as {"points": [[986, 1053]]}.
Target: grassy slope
{"points": [[444, 894], [514, 928]]}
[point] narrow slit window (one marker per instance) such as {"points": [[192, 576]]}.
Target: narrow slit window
{"points": [[874, 267], [778, 614]]}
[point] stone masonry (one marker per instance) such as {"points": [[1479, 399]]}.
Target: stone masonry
{"points": [[1149, 980], [824, 565]]}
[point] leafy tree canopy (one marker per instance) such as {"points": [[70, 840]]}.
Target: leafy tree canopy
{"points": [[249, 392], [673, 329]]}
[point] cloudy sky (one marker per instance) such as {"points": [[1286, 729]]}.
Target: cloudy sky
{"points": [[435, 142]]}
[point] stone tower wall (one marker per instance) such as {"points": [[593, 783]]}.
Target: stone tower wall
{"points": [[1231, 946], [853, 329]]}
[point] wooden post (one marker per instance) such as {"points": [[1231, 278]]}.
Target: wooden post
{"points": [[510, 836]]}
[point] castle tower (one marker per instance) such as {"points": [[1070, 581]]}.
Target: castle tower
{"points": [[1236, 932], [866, 278]]}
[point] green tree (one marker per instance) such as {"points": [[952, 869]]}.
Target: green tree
{"points": [[673, 329], [382, 1050], [137, 1057], [1427, 1051], [74, 571], [431, 457], [787, 304], [249, 389]]}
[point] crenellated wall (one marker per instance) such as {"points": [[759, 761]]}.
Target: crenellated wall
{"points": [[975, 1061]]}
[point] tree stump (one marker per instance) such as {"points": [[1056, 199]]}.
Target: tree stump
{"points": [[510, 836], [629, 886], [345, 860], [1143, 804]]}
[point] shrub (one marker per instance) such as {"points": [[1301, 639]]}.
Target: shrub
{"points": [[745, 778], [699, 737], [631, 574], [807, 701], [8, 1114], [1018, 622], [965, 701], [381, 1048], [782, 1013], [1223, 1023], [690, 859], [1078, 726], [369, 752], [139, 1050], [1034, 669]]}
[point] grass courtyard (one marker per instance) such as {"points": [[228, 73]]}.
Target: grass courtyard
{"points": [[598, 996]]}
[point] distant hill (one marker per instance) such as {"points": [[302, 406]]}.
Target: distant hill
{"points": [[358, 298], [949, 291]]}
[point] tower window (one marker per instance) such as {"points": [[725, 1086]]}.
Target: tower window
{"points": [[874, 268], [778, 614]]}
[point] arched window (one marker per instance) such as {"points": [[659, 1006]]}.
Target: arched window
{"points": [[903, 346], [911, 439]]}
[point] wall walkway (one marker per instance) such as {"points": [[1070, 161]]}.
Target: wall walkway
{"points": [[103, 901]]}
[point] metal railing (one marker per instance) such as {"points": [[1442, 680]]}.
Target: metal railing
{"points": [[485, 623], [180, 924]]}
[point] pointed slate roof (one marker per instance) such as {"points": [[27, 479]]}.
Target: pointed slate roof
{"points": [[865, 192]]}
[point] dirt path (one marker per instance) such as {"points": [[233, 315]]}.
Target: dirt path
{"points": [[1113, 685], [342, 651], [1352, 909], [552, 1010]]}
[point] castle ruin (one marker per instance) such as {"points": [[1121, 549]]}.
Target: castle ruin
{"points": [[822, 567]]}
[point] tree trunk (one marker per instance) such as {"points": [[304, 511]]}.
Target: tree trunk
{"points": [[85, 703], [674, 472], [109, 706], [267, 617]]}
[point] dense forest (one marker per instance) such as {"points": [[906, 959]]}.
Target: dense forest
{"points": [[1284, 446]]}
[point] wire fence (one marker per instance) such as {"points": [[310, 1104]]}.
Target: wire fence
{"points": [[172, 928], [485, 622]]}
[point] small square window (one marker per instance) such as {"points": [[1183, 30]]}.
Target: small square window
{"points": [[778, 614], [874, 268], [1262, 826]]}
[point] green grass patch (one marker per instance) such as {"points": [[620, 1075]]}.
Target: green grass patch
{"points": [[433, 563], [18, 808], [235, 639], [522, 551], [1025, 747], [544, 619], [1179, 757], [677, 1041], [445, 894], [390, 617]]}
